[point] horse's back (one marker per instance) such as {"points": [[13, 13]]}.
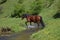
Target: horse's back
{"points": [[33, 18]]}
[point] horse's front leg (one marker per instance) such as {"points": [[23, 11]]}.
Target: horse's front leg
{"points": [[26, 24]]}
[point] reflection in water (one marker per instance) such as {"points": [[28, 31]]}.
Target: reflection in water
{"points": [[23, 35]]}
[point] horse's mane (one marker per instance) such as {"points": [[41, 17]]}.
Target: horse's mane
{"points": [[26, 14]]}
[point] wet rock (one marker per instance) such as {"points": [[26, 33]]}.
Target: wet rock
{"points": [[6, 30]]}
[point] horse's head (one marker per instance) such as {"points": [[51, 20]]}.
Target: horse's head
{"points": [[24, 16]]}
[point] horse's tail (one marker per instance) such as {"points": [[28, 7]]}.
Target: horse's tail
{"points": [[42, 23]]}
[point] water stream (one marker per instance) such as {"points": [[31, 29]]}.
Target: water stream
{"points": [[23, 35]]}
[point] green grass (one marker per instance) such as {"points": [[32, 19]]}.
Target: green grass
{"points": [[50, 32], [13, 23]]}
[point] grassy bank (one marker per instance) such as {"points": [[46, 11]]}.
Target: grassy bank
{"points": [[14, 23]]}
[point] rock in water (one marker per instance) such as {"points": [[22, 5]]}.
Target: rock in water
{"points": [[30, 26]]}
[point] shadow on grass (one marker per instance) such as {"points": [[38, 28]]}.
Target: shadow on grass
{"points": [[3, 1], [57, 15]]}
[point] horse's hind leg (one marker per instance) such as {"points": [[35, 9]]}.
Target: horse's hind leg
{"points": [[42, 23], [38, 24]]}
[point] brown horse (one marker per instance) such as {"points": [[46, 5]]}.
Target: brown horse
{"points": [[33, 18]]}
